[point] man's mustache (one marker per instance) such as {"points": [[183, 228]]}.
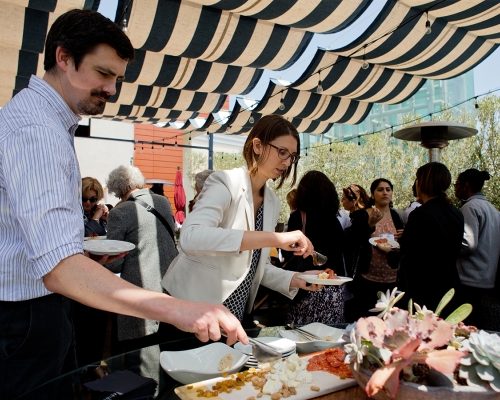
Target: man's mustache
{"points": [[101, 94]]}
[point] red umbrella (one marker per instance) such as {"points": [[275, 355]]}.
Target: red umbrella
{"points": [[179, 197]]}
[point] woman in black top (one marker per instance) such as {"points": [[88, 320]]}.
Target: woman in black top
{"points": [[317, 205], [430, 242]]}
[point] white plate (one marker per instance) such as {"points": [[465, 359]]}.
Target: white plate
{"points": [[94, 238], [315, 279], [282, 345], [393, 243], [320, 330], [199, 364], [327, 383], [111, 247]]}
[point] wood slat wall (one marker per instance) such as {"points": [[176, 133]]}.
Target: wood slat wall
{"points": [[162, 163]]}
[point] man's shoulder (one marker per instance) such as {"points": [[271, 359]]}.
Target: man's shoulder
{"points": [[27, 108]]}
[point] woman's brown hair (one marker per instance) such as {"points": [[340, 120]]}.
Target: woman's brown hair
{"points": [[357, 194], [267, 129], [434, 179]]}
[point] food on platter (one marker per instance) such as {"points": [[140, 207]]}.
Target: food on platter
{"points": [[290, 373], [381, 241], [93, 236], [331, 361], [328, 274], [279, 380], [226, 362]]}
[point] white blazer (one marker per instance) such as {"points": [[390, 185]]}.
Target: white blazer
{"points": [[210, 266]]}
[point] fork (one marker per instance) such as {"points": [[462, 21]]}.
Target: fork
{"points": [[262, 352]]}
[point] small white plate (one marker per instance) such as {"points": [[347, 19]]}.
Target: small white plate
{"points": [[393, 243], [282, 345], [196, 365], [315, 279], [94, 238], [317, 329], [111, 247]]}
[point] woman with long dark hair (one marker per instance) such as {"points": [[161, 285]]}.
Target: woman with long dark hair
{"points": [[317, 205], [369, 266]]}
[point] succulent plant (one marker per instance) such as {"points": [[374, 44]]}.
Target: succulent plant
{"points": [[409, 340], [481, 366]]}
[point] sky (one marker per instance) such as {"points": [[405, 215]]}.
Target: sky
{"points": [[486, 74]]}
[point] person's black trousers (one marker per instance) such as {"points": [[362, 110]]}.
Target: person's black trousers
{"points": [[36, 345]]}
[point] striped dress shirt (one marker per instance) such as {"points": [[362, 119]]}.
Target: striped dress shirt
{"points": [[40, 190]]}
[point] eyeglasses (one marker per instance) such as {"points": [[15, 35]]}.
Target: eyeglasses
{"points": [[91, 199], [284, 154]]}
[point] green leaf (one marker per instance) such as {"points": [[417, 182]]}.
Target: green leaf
{"points": [[459, 314], [444, 301], [410, 306]]}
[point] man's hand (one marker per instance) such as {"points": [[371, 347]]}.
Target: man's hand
{"points": [[205, 321], [105, 259]]}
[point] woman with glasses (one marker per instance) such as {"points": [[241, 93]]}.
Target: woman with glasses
{"points": [[95, 215], [90, 323], [226, 240]]}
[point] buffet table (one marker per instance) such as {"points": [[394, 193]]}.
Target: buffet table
{"points": [[70, 386]]}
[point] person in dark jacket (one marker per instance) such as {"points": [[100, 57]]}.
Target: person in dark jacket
{"points": [[317, 204], [430, 243], [95, 216], [369, 265]]}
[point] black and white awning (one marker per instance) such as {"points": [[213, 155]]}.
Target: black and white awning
{"points": [[190, 55]]}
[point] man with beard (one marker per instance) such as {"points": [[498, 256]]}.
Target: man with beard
{"points": [[42, 264]]}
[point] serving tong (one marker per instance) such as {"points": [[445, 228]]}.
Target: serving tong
{"points": [[262, 352], [303, 333], [318, 258]]}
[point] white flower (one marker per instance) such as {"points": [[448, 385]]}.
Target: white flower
{"points": [[386, 302], [355, 350], [421, 313]]}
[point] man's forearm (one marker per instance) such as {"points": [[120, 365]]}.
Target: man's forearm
{"points": [[87, 282]]}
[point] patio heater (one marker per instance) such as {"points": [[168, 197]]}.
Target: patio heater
{"points": [[434, 135]]}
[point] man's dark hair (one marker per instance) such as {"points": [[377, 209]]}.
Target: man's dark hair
{"points": [[79, 32]]}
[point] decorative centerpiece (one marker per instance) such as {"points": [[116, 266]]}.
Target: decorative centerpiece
{"points": [[402, 354]]}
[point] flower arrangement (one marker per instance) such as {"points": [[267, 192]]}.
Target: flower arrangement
{"points": [[399, 344]]}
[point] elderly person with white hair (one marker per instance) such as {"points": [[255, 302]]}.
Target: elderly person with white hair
{"points": [[154, 247], [199, 181]]}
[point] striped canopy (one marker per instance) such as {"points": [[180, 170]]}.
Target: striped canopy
{"points": [[190, 55]]}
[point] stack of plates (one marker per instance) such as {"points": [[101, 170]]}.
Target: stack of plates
{"points": [[285, 346]]}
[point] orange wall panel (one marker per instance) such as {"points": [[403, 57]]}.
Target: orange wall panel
{"points": [[162, 163]]}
